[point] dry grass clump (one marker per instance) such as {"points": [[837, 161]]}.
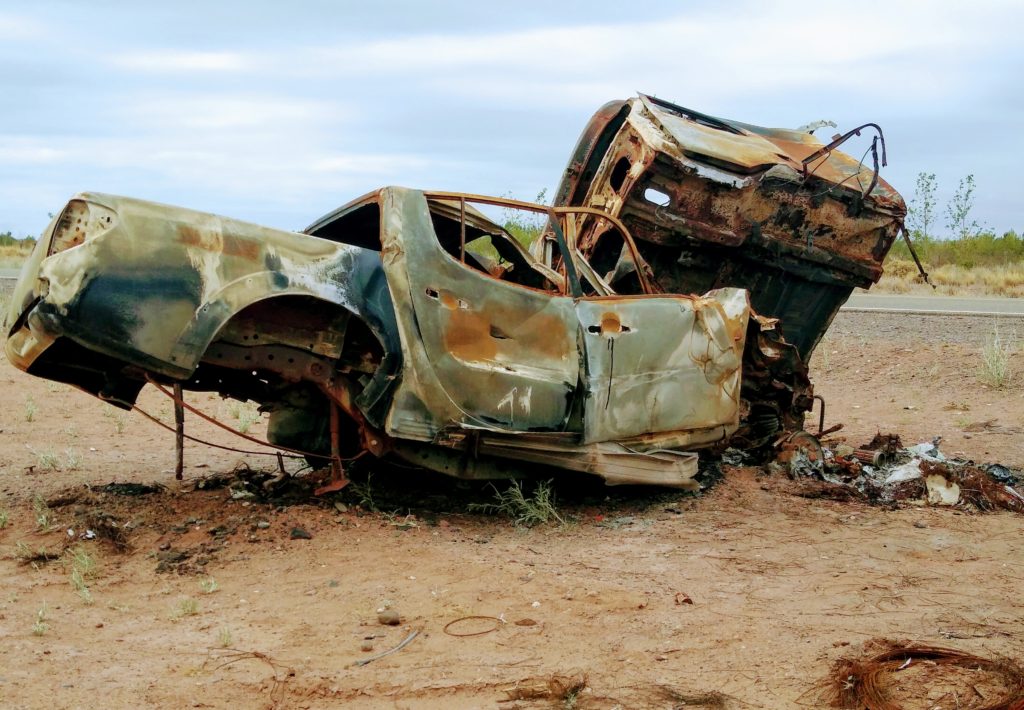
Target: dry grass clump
{"points": [[901, 269], [1003, 280], [953, 275], [12, 257]]}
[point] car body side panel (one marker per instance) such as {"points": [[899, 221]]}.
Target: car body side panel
{"points": [[662, 364], [480, 352], [154, 289]]}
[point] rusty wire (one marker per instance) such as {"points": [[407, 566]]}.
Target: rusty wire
{"points": [[864, 682], [225, 427], [197, 440], [497, 625]]}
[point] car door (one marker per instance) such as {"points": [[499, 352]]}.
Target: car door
{"points": [[504, 355], [661, 363]]}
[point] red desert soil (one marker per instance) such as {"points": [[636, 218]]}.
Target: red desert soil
{"points": [[743, 596]]}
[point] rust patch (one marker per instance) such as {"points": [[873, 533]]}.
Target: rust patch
{"points": [[548, 337], [227, 244], [610, 324], [449, 301], [471, 336], [468, 337]]}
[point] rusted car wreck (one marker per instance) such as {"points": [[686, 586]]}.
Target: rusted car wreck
{"points": [[687, 270]]}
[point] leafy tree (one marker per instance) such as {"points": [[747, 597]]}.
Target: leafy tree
{"points": [[921, 217], [958, 210]]}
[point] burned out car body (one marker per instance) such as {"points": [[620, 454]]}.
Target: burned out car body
{"points": [[407, 323], [431, 351]]}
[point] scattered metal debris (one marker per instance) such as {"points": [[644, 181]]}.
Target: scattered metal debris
{"points": [[399, 647], [883, 471]]}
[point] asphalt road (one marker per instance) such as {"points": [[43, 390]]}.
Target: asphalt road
{"points": [[935, 304]]}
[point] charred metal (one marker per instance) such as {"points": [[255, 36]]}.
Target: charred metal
{"points": [[688, 268]]}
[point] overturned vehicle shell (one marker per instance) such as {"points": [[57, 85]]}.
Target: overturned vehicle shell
{"points": [[715, 203], [408, 324]]}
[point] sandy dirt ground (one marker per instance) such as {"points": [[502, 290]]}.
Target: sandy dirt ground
{"points": [[742, 596]]}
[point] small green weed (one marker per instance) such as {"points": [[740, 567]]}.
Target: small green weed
{"points": [[48, 460], [4, 519], [363, 492], [224, 638], [79, 585], [119, 418], [209, 586], [187, 607], [43, 514], [40, 627], [246, 419], [83, 568], [72, 459], [523, 509], [30, 409], [995, 361]]}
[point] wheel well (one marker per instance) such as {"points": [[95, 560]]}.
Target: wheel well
{"points": [[280, 352]]}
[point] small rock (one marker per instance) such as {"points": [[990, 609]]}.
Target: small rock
{"points": [[389, 617], [263, 525], [920, 524], [366, 646], [526, 622], [300, 534], [340, 507]]}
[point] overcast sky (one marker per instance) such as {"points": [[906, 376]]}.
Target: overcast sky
{"points": [[276, 112]]}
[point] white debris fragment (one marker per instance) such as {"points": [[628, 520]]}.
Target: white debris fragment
{"points": [[941, 491], [907, 472], [927, 450]]}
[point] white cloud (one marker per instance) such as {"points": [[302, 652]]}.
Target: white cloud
{"points": [[19, 27], [278, 118], [171, 61], [20, 150], [279, 168], [212, 111], [890, 51]]}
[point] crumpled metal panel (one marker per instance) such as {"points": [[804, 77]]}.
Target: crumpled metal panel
{"points": [[714, 203], [662, 364], [742, 148], [481, 351]]}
